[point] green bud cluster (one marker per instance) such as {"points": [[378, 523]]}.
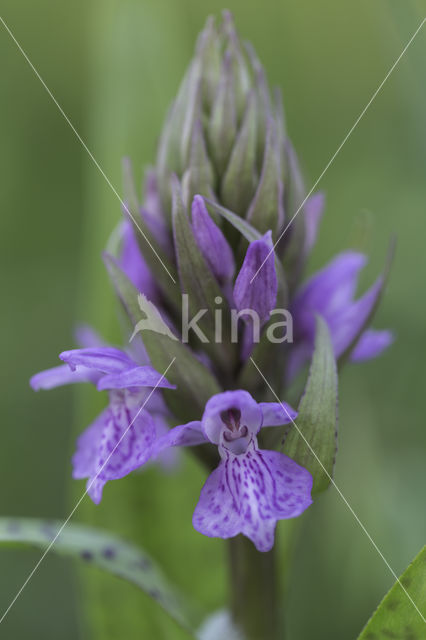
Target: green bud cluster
{"points": [[224, 136]]}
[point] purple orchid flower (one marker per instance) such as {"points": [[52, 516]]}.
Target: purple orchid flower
{"points": [[251, 489], [331, 294], [121, 438]]}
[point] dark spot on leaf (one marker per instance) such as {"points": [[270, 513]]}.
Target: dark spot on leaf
{"points": [[49, 531], [86, 555], [370, 636], [109, 553], [406, 581], [392, 604], [409, 634], [154, 593], [389, 634], [143, 563]]}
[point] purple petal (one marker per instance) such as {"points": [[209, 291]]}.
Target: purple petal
{"points": [[277, 413], [126, 442], [133, 264], [330, 293], [298, 355], [347, 322], [58, 376], [94, 488], [159, 230], [113, 446], [152, 200], [87, 446], [211, 241], [157, 405], [185, 435], [169, 458], [249, 493], [371, 344], [153, 214], [327, 292], [261, 294], [104, 359], [137, 377], [313, 211], [251, 414]]}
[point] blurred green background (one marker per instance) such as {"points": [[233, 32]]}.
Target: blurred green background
{"points": [[114, 66]]}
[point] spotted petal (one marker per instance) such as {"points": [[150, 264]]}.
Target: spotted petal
{"points": [[88, 445], [113, 446], [249, 493]]}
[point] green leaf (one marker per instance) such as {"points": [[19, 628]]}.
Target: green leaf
{"points": [[317, 419], [195, 383], [269, 357], [396, 616], [104, 551]]}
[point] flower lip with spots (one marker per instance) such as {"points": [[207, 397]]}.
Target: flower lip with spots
{"points": [[251, 489]]}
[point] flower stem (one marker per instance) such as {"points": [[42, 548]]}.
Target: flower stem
{"points": [[254, 591]]}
